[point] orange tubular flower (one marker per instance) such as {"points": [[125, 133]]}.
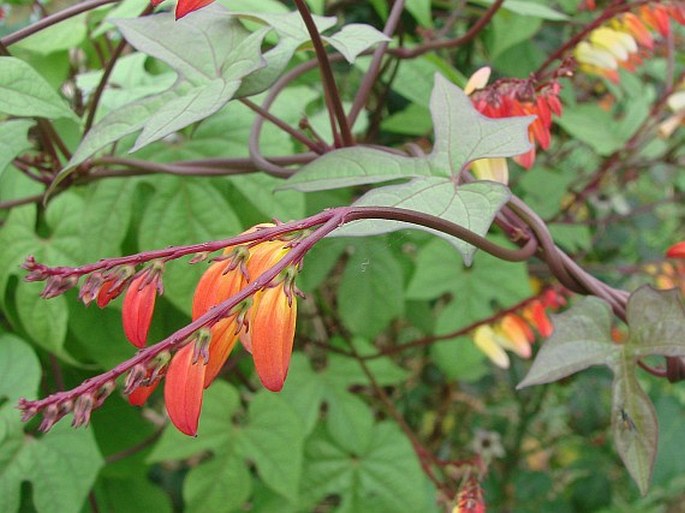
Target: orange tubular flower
{"points": [[139, 304], [271, 319], [188, 374], [183, 389]]}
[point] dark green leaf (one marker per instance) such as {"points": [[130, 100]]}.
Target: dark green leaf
{"points": [[371, 290], [220, 485], [634, 423]]}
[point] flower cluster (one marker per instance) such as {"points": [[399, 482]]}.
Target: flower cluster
{"points": [[513, 97], [513, 332], [626, 39], [265, 324]]}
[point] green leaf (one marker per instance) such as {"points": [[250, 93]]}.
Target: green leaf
{"points": [[594, 126], [109, 205], [439, 271], [61, 36], [61, 466], [124, 121], [354, 39], [383, 477], [19, 373], [371, 291], [259, 190], [274, 439], [183, 211], [473, 206], [132, 494], [129, 81], [45, 321], [220, 485], [509, 29], [634, 424], [531, 9], [657, 322], [210, 50], [421, 11], [292, 35], [23, 92], [462, 135], [355, 166], [13, 140], [349, 421], [581, 338]]}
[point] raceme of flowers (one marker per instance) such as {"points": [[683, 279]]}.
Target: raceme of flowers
{"points": [[265, 325], [626, 39], [513, 332], [513, 97]]}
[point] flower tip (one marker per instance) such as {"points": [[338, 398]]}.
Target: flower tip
{"points": [[676, 251], [185, 7]]}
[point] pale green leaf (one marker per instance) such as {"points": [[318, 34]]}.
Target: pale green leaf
{"points": [[462, 135], [354, 39], [195, 105], [24, 92], [355, 166], [61, 36], [210, 50], [119, 123], [581, 338], [13, 140], [472, 206], [657, 322], [128, 82]]}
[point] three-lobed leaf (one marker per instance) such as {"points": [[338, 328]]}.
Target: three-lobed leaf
{"points": [[582, 337]]}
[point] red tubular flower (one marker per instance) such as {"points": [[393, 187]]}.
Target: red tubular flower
{"points": [[677, 250], [139, 305], [506, 98], [186, 378], [184, 7], [183, 389], [140, 395], [535, 314]]}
